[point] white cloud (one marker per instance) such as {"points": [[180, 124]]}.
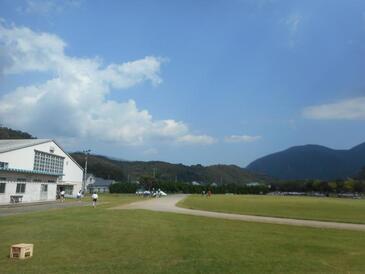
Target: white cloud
{"points": [[150, 151], [241, 139], [349, 109], [45, 7], [292, 23], [196, 139], [73, 102]]}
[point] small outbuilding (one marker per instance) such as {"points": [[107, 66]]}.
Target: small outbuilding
{"points": [[99, 185]]}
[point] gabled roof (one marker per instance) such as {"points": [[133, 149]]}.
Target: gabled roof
{"points": [[101, 182], [7, 145], [14, 144]]}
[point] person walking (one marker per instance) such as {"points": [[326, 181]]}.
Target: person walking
{"points": [[95, 198], [62, 195], [79, 195]]}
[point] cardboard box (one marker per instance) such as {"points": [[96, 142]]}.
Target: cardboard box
{"points": [[21, 251]]}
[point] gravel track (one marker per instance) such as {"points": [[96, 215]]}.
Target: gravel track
{"points": [[168, 204]]}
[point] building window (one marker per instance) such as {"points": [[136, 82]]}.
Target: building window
{"points": [[20, 188], [4, 165], [44, 187], [37, 180], [21, 179], [46, 162], [68, 189], [2, 187]]}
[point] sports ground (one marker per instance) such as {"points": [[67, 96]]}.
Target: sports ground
{"points": [[100, 240]]}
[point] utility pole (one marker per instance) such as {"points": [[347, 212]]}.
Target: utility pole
{"points": [[154, 172], [86, 152]]}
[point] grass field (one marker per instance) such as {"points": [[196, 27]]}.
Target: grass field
{"points": [[326, 209], [88, 240]]}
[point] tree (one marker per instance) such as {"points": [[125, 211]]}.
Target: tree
{"points": [[123, 188], [359, 186], [147, 181], [349, 186], [361, 174], [316, 185], [332, 186]]}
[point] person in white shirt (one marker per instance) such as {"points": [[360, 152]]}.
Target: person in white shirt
{"points": [[95, 198], [62, 194]]}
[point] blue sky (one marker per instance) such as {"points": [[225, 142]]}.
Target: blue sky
{"points": [[184, 81]]}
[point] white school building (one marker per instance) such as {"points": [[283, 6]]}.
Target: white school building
{"points": [[33, 170]]}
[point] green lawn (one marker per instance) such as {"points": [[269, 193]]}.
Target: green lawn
{"points": [[108, 199], [88, 240], [326, 209]]}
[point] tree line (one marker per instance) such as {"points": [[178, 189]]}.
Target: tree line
{"points": [[150, 183], [305, 186], [336, 186]]}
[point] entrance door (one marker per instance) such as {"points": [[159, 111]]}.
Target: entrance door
{"points": [[44, 191]]}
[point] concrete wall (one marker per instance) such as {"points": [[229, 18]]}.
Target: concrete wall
{"points": [[100, 189], [32, 192], [24, 159]]}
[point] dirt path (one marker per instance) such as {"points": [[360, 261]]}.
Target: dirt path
{"points": [[168, 204]]}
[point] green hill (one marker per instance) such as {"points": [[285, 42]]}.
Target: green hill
{"points": [[105, 167], [8, 133], [120, 170], [311, 162]]}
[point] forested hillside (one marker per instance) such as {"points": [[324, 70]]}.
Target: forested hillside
{"points": [[311, 162], [8, 133], [163, 171]]}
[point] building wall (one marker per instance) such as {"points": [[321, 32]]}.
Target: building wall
{"points": [[32, 189], [90, 179], [24, 159], [99, 189]]}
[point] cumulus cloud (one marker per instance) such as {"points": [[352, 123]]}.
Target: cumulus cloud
{"points": [[73, 102], [241, 139], [349, 109]]}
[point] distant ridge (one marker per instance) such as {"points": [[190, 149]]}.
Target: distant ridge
{"points": [[8, 133], [311, 162], [123, 170]]}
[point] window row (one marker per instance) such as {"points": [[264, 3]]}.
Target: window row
{"points": [[4, 165], [25, 180], [20, 188], [48, 163]]}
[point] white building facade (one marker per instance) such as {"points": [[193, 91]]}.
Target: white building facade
{"points": [[33, 170]]}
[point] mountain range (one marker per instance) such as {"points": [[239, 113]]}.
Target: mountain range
{"points": [[123, 170], [295, 163], [311, 162]]}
